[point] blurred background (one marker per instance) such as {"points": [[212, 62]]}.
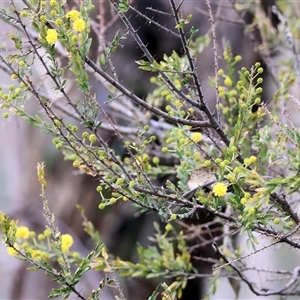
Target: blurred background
{"points": [[23, 146]]}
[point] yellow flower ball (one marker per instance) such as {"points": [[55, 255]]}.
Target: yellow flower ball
{"points": [[53, 3], [73, 15], [196, 137], [220, 189], [11, 251], [51, 36], [79, 25], [35, 254], [22, 232], [66, 242]]}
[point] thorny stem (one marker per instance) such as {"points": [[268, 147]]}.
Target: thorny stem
{"points": [[53, 272], [150, 57], [215, 49], [203, 105], [141, 102], [154, 22], [213, 123]]}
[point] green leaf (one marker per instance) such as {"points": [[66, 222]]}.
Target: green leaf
{"points": [[32, 268], [123, 6], [63, 291], [102, 61], [155, 293]]}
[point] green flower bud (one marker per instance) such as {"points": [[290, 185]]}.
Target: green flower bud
{"points": [[101, 205], [112, 200], [173, 217], [120, 181], [23, 13], [92, 138], [260, 70], [164, 149], [85, 135], [168, 227], [155, 160], [259, 90], [131, 183]]}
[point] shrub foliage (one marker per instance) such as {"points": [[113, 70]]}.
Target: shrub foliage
{"points": [[231, 162]]}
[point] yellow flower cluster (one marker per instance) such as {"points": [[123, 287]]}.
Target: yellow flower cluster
{"points": [[220, 189], [66, 242], [22, 232], [196, 137], [73, 15], [38, 254], [51, 36], [78, 23], [11, 251]]}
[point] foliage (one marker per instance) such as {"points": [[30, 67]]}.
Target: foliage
{"points": [[244, 159]]}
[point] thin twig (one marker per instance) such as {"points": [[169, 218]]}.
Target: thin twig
{"points": [[216, 58], [144, 104], [201, 100], [151, 21]]}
